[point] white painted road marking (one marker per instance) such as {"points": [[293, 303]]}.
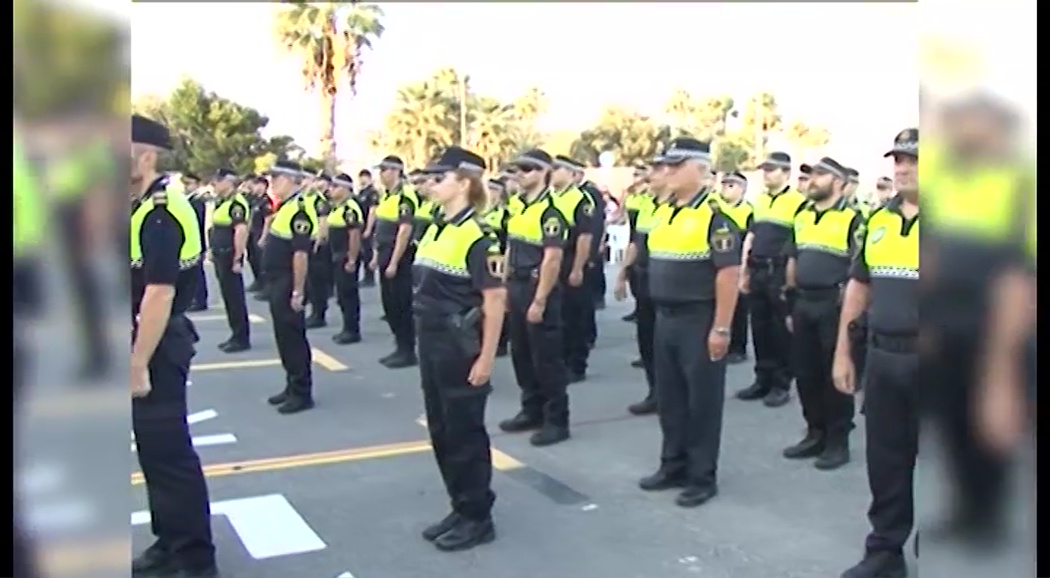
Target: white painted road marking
{"points": [[200, 416], [345, 575], [202, 441], [268, 526]]}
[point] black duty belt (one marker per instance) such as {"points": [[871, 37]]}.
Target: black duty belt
{"points": [[903, 343], [819, 293], [523, 273], [684, 307], [766, 263]]}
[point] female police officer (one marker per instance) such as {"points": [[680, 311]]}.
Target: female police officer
{"points": [[459, 306]]}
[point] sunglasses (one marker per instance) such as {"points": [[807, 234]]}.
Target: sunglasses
{"points": [[527, 168]]}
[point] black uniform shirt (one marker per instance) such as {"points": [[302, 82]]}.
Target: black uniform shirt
{"points": [[222, 235], [768, 238], [894, 302], [161, 238], [367, 198], [339, 237], [525, 257], [817, 269], [386, 231], [260, 205], [450, 294], [279, 252]]}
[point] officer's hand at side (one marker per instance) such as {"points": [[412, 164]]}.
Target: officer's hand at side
{"points": [[262, 241], [576, 278], [745, 281], [1000, 409], [480, 372], [620, 291], [237, 267], [717, 345], [140, 385], [790, 324], [374, 263], [534, 314], [391, 271], [350, 266], [296, 302], [844, 373]]}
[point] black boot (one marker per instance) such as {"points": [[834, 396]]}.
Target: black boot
{"points": [[776, 397], [315, 321], [401, 359], [520, 423], [810, 447], [879, 565], [295, 404], [645, 407], [154, 561], [835, 454], [662, 480], [466, 535], [436, 530], [549, 435], [752, 392], [345, 337], [278, 399]]}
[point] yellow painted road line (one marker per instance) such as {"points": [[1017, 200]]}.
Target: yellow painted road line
{"points": [[327, 361], [252, 318], [247, 364], [303, 460], [503, 462]]}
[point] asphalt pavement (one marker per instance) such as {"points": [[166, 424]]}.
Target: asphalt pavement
{"points": [[345, 489]]}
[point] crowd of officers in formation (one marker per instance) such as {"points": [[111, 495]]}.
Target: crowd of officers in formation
{"points": [[467, 265]]}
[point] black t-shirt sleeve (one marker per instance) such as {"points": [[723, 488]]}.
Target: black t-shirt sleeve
{"points": [[322, 207], [553, 227], [485, 263], [859, 268], [723, 236], [161, 238], [856, 233], [238, 213], [406, 210], [302, 232], [750, 222], [790, 248], [351, 220], [584, 217]]}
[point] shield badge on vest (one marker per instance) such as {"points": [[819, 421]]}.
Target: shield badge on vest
{"points": [[877, 235], [552, 227], [237, 212], [301, 226], [496, 267], [723, 241]]}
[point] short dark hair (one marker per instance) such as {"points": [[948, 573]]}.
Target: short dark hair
{"points": [[364, 173]]}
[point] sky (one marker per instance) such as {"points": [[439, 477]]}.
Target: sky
{"points": [[848, 67]]}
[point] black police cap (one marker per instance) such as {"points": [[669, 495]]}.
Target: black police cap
{"points": [[905, 143], [392, 162], [343, 180], [776, 160], [735, 177], [685, 148], [226, 173], [460, 159], [830, 165], [321, 176], [566, 162], [534, 158], [805, 169], [498, 182], [149, 132]]}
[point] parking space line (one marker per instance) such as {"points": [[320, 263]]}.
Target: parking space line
{"points": [[252, 318], [327, 361], [320, 358], [303, 460]]}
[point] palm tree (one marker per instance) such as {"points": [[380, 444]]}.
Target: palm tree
{"points": [[330, 39]]}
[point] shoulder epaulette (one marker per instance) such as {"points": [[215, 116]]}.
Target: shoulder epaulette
{"points": [[159, 197]]}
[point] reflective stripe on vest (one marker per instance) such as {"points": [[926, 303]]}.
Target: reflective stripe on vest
{"points": [[683, 235], [281, 225], [778, 209], [389, 209], [888, 252], [221, 215], [824, 231], [525, 226], [337, 218], [447, 253]]}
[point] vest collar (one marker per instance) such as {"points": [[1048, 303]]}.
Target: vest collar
{"points": [[839, 205], [780, 192], [461, 217], [698, 199], [159, 184], [540, 197]]}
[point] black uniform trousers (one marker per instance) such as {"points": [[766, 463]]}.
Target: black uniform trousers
{"points": [[175, 486], [231, 285], [738, 341], [644, 325], [289, 332], [769, 323], [536, 353], [319, 281], [690, 392], [255, 256], [979, 475], [578, 319], [815, 321], [891, 415], [594, 281], [88, 304], [201, 295], [455, 413], [367, 276], [396, 297], [347, 293]]}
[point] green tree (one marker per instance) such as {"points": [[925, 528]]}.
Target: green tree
{"points": [[733, 152], [805, 138], [703, 118], [330, 39], [210, 131], [67, 61], [631, 136], [427, 116], [760, 117]]}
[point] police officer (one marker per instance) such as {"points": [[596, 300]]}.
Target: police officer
{"points": [[803, 177], [496, 216], [638, 199], [883, 191], [459, 304], [344, 237], [823, 240], [228, 240], [421, 182], [763, 281], [850, 192], [289, 243], [884, 281], [578, 209], [693, 281], [321, 270], [394, 251], [535, 246], [165, 253], [191, 184], [367, 198], [635, 273], [594, 273], [734, 191], [260, 210]]}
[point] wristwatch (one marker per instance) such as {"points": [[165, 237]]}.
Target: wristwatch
{"points": [[722, 331]]}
